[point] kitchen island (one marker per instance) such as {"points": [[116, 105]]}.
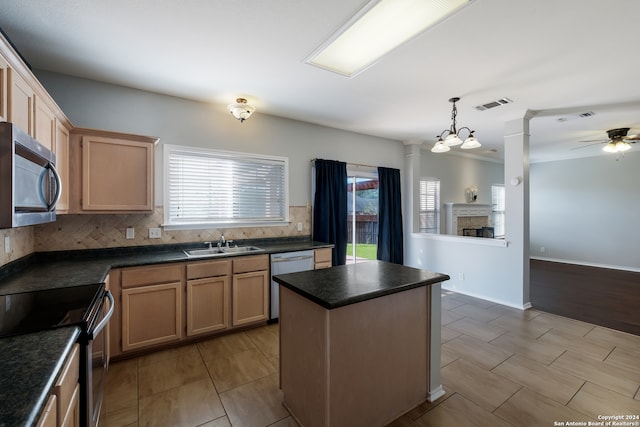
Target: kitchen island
{"points": [[360, 343]]}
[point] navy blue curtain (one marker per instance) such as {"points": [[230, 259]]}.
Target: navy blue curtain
{"points": [[330, 207], [390, 244]]}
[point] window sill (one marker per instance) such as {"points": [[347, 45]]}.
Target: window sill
{"points": [[206, 226], [462, 239]]}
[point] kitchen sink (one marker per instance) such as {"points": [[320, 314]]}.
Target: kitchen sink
{"points": [[221, 251]]}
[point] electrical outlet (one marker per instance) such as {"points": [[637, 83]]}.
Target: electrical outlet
{"points": [[299, 226], [542, 249], [7, 244], [461, 276], [155, 233], [130, 233]]}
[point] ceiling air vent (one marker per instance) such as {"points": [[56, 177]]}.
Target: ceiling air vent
{"points": [[578, 116], [493, 104]]}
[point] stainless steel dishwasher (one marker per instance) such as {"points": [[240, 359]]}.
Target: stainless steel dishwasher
{"points": [[287, 262]]}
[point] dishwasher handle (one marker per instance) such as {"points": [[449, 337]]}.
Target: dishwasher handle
{"points": [[295, 258]]}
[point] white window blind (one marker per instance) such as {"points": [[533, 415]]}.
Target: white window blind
{"points": [[497, 209], [219, 187], [430, 205]]}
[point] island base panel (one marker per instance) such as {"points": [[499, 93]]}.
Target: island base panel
{"points": [[363, 364]]}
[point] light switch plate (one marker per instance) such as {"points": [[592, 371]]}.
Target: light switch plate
{"points": [[155, 233]]}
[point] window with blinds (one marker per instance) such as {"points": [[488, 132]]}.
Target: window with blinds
{"points": [[430, 205], [211, 187], [497, 209]]}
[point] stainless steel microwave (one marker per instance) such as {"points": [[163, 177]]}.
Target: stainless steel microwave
{"points": [[30, 186]]}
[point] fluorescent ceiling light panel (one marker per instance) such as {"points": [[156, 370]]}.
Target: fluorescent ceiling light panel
{"points": [[380, 27]]}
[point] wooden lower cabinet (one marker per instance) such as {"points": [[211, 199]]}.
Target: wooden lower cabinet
{"points": [[72, 417], [322, 258], [250, 290], [151, 305], [208, 291], [166, 303], [67, 391], [151, 315], [48, 418]]}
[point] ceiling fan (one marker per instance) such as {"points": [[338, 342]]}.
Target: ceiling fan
{"points": [[618, 141]]}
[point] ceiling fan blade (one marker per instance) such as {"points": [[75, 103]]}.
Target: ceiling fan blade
{"points": [[587, 145], [595, 140], [635, 137]]}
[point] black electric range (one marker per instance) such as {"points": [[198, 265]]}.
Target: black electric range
{"points": [[34, 311]]}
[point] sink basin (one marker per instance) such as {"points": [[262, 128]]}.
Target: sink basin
{"points": [[203, 252], [241, 249], [215, 252]]}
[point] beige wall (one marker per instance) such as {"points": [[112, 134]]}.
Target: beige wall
{"points": [[183, 122]]}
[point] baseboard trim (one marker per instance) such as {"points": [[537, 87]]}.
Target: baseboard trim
{"points": [[522, 307], [436, 394], [587, 264]]}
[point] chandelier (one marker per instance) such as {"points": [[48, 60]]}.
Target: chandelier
{"points": [[241, 110], [452, 137]]}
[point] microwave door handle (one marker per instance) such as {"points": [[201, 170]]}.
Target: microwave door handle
{"points": [[106, 318], [56, 197]]}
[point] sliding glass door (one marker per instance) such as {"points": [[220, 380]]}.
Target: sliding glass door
{"points": [[362, 217]]}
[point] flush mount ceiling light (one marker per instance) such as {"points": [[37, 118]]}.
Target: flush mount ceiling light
{"points": [[241, 110], [377, 29], [452, 134]]}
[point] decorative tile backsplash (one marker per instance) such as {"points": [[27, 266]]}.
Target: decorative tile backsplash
{"points": [[21, 242], [71, 232]]}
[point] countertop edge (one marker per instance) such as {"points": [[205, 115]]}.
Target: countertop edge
{"points": [[40, 404], [362, 297]]}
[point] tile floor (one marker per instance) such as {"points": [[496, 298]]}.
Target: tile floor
{"points": [[500, 367]]}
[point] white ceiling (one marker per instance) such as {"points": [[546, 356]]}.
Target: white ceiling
{"points": [[558, 58]]}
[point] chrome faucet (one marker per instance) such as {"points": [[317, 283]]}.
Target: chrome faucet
{"points": [[221, 241]]}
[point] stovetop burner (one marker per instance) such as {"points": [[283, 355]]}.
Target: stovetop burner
{"points": [[41, 310]]}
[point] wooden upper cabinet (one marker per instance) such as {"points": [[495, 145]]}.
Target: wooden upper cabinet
{"points": [[44, 130], [111, 172], [61, 149], [20, 102], [4, 92]]}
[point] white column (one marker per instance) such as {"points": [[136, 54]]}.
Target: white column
{"points": [[411, 194], [516, 184]]}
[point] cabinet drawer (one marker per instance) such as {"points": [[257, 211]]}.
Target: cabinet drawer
{"points": [[321, 265], [198, 270], [322, 255], [151, 275], [66, 384], [250, 263]]}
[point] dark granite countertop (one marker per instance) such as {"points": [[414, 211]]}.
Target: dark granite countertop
{"points": [[349, 284], [46, 270], [29, 363], [29, 366]]}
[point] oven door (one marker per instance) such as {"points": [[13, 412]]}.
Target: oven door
{"points": [[97, 358]]}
